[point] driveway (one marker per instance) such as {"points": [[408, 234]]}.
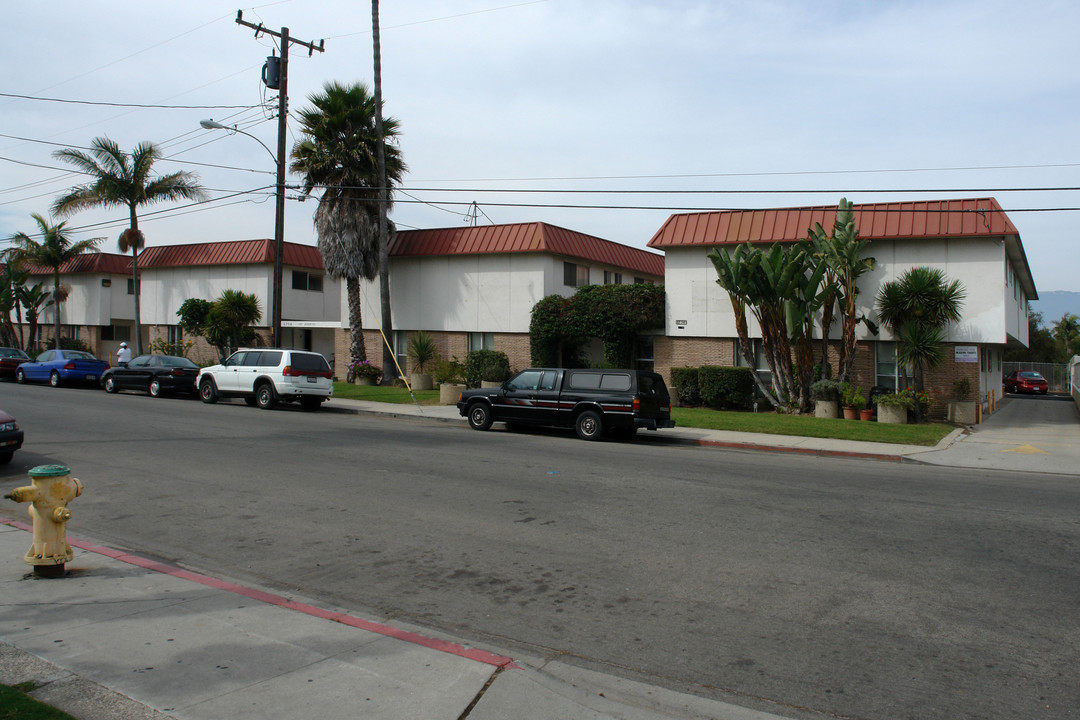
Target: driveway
{"points": [[1037, 433]]}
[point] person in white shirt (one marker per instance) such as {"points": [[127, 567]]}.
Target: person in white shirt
{"points": [[123, 355]]}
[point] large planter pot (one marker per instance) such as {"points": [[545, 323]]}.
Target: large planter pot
{"points": [[363, 380], [866, 414], [963, 412], [673, 393], [892, 414], [448, 393], [420, 381], [826, 408], [490, 384], [851, 413]]}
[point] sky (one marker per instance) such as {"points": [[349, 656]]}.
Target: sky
{"points": [[601, 116]]}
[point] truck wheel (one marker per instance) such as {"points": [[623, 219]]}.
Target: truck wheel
{"points": [[589, 425], [207, 391], [264, 396], [480, 416]]}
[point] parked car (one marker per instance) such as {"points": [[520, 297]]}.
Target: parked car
{"points": [[590, 401], [11, 437], [1020, 381], [154, 374], [265, 377], [11, 358], [60, 366]]}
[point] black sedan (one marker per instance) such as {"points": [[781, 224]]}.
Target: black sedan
{"points": [[154, 374], [11, 437]]}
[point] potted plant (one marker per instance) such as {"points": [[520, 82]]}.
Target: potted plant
{"points": [[363, 372], [893, 407], [450, 376], [853, 400], [423, 352], [963, 409], [826, 395]]}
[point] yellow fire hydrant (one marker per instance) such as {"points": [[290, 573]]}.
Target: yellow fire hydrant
{"points": [[53, 488]]}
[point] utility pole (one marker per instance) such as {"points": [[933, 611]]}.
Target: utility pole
{"points": [[283, 108]]}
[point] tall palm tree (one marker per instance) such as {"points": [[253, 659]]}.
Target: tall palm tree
{"points": [[123, 180], [228, 318], [54, 248], [12, 283], [917, 307], [1067, 332], [337, 154], [35, 299]]}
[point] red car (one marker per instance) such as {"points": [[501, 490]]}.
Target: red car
{"points": [[1025, 381], [11, 358]]}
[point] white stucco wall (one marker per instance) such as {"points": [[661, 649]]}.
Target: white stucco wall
{"points": [[469, 293], [990, 310]]}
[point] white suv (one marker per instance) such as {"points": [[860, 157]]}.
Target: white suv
{"points": [[265, 377]]}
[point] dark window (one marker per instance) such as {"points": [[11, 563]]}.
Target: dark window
{"points": [[107, 332], [526, 381], [264, 358], [569, 274], [306, 281], [548, 383], [237, 358], [615, 381], [585, 381], [308, 362], [131, 286]]}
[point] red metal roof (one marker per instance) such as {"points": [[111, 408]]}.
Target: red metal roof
{"points": [[979, 217], [536, 237], [236, 252], [103, 263]]}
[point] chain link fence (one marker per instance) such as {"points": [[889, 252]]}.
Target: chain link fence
{"points": [[1056, 374]]}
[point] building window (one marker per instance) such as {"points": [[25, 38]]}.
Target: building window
{"points": [[106, 282], [762, 364], [174, 334], [612, 278], [481, 341], [886, 366], [306, 281], [116, 332], [401, 351], [575, 275], [131, 286]]}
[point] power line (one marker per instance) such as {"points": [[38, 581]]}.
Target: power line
{"points": [[128, 105]]}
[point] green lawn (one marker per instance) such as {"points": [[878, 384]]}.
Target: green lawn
{"points": [[928, 434], [15, 704]]}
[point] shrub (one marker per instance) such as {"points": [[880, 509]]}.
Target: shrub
{"points": [[448, 371], [486, 365], [685, 382], [852, 396], [364, 368], [901, 399], [725, 387], [825, 390], [422, 351]]}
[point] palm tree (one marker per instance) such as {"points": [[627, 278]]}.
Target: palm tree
{"points": [[53, 250], [337, 154], [35, 300], [12, 282], [1067, 333], [122, 180], [228, 318], [917, 307]]}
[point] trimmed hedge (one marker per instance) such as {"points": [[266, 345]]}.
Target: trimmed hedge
{"points": [[685, 382], [714, 386], [490, 365]]}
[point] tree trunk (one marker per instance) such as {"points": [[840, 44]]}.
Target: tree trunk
{"points": [[357, 351], [135, 279], [384, 241], [56, 306]]}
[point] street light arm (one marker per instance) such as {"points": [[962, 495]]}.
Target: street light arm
{"points": [[215, 125]]}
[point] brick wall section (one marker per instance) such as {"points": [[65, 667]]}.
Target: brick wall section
{"points": [[669, 352]]}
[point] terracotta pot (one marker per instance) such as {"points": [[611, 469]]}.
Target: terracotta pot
{"points": [[866, 414], [851, 413]]}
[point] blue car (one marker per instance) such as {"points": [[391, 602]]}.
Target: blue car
{"points": [[60, 366]]}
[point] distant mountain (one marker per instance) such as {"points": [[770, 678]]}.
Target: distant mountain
{"points": [[1055, 303]]}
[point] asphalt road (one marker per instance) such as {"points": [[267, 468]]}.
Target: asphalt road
{"points": [[799, 585]]}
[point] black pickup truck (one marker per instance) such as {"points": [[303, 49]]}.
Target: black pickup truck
{"points": [[590, 401]]}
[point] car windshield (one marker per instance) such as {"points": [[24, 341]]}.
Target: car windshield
{"points": [[78, 355], [1031, 375]]}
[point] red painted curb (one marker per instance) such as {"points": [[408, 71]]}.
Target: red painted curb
{"points": [[801, 451], [481, 656]]}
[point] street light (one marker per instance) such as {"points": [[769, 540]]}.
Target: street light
{"points": [[279, 220]]}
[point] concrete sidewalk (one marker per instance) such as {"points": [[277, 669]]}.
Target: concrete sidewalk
{"points": [[125, 637], [695, 436]]}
